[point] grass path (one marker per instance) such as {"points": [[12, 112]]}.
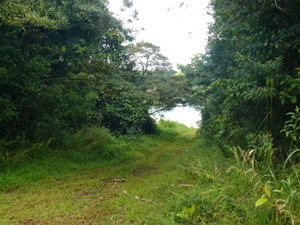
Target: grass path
{"points": [[134, 192]]}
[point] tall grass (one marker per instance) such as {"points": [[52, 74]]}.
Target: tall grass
{"points": [[28, 163], [247, 188], [168, 130], [250, 187], [237, 190], [23, 163]]}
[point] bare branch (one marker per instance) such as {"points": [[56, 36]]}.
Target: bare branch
{"points": [[138, 198], [277, 5]]}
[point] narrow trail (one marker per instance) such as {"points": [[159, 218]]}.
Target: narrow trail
{"points": [[135, 192]]}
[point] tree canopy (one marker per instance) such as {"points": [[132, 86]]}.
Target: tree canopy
{"points": [[63, 66], [148, 59], [248, 79]]}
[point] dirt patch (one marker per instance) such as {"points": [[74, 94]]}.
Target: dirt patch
{"points": [[178, 152], [34, 221], [141, 169]]}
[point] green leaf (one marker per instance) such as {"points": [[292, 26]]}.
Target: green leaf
{"points": [[261, 201], [271, 204], [272, 82], [268, 191], [294, 138], [181, 215], [192, 210], [294, 99]]}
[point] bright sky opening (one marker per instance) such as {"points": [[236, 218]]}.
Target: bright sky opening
{"points": [[179, 27]]}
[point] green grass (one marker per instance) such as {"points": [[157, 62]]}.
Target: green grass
{"points": [[170, 178], [85, 185]]}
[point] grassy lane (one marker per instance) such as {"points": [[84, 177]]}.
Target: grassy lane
{"points": [[138, 191], [169, 178]]}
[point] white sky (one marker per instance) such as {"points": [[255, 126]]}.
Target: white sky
{"points": [[186, 115], [181, 32]]}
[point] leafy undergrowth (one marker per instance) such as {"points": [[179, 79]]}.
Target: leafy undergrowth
{"points": [[169, 178]]}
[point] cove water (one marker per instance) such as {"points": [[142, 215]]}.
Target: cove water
{"points": [[183, 114]]}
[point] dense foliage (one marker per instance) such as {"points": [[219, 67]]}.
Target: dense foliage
{"points": [[248, 79], [70, 76], [62, 67], [247, 85], [68, 65], [166, 87]]}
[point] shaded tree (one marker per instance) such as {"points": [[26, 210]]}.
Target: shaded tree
{"points": [[247, 80], [148, 59], [46, 89]]}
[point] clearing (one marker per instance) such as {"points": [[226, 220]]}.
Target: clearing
{"points": [[138, 191], [173, 178]]}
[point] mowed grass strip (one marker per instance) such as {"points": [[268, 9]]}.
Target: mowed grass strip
{"points": [[133, 192]]}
